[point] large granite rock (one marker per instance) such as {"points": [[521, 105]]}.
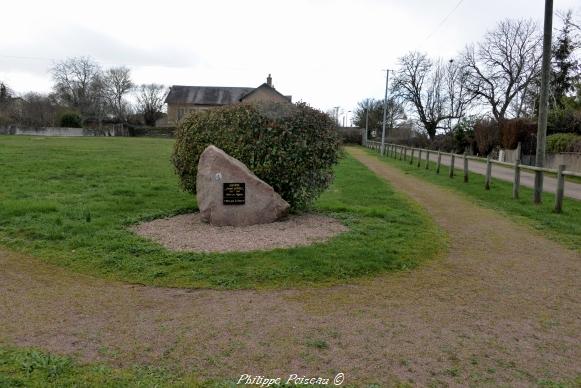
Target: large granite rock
{"points": [[229, 193]]}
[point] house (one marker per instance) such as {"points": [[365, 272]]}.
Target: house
{"points": [[182, 100]]}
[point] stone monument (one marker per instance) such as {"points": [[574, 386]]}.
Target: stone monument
{"points": [[229, 193]]}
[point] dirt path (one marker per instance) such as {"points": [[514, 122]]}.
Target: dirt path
{"points": [[503, 307]]}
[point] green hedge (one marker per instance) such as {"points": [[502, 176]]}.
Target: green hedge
{"points": [[563, 142], [292, 147], [70, 120]]}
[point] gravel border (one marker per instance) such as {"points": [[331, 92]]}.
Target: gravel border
{"points": [[188, 233]]}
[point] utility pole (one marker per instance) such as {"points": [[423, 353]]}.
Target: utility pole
{"points": [[544, 100], [382, 149], [366, 122]]}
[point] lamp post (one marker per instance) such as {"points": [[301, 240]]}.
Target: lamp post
{"points": [[382, 148]]}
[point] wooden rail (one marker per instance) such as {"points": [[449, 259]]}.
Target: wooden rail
{"points": [[398, 151]]}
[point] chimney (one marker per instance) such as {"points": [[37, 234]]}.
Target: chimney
{"points": [[269, 81]]}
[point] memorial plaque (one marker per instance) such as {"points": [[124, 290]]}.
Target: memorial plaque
{"points": [[234, 194]]}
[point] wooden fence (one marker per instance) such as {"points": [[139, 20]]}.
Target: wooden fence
{"points": [[407, 154]]}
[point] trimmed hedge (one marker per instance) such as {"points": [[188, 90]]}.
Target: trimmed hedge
{"points": [[292, 147]]}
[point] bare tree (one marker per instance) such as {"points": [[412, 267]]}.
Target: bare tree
{"points": [[370, 110], [39, 110], [501, 68], [117, 84], [433, 90], [150, 100], [78, 84], [458, 96]]}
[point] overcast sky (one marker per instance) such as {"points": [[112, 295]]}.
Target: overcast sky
{"points": [[327, 53]]}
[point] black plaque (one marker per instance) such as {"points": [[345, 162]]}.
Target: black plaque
{"points": [[234, 194]]}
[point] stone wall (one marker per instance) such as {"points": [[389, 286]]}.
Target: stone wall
{"points": [[63, 132], [264, 94], [176, 112], [570, 159]]}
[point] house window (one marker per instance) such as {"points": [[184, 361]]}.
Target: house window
{"points": [[181, 113]]}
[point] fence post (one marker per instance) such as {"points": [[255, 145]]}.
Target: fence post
{"points": [[465, 168], [516, 178], [438, 162], [420, 157], [560, 189], [451, 172], [427, 159], [401, 152], [516, 182], [412, 155], [538, 187], [405, 154], [488, 173]]}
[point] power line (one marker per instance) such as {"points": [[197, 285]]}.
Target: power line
{"points": [[444, 20], [21, 57]]}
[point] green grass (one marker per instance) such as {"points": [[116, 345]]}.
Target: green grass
{"points": [[23, 367], [564, 228], [33, 368], [69, 201]]}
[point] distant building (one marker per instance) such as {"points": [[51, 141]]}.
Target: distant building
{"points": [[183, 100]]}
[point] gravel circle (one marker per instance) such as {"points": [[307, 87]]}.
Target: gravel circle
{"points": [[188, 233]]}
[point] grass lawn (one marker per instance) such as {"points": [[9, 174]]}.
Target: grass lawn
{"points": [[23, 367], [36, 369], [564, 228], [32, 368], [69, 201]]}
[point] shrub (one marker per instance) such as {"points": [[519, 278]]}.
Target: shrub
{"points": [[486, 135], [564, 120], [70, 120], [350, 135], [463, 135], [292, 147], [443, 142], [563, 142], [516, 130]]}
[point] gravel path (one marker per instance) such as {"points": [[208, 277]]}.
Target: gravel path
{"points": [[187, 232], [502, 308]]}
